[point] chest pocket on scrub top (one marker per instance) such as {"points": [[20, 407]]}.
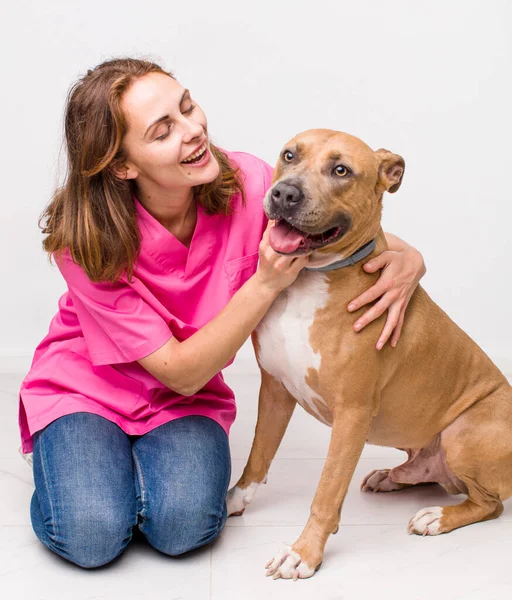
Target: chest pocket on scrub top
{"points": [[239, 270]]}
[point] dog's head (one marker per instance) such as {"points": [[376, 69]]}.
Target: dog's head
{"points": [[327, 191]]}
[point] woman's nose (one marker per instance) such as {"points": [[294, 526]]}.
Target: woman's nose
{"points": [[193, 130]]}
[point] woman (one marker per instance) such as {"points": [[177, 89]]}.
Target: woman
{"points": [[158, 234]]}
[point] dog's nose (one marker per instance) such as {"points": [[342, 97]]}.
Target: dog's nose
{"points": [[285, 195]]}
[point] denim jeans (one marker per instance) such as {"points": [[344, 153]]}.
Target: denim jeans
{"points": [[95, 484]]}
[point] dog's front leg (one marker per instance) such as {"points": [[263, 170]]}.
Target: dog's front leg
{"points": [[304, 557], [275, 408]]}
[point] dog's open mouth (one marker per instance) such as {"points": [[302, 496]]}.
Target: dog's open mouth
{"points": [[287, 239]]}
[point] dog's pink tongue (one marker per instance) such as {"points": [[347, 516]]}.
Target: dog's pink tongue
{"points": [[285, 239]]}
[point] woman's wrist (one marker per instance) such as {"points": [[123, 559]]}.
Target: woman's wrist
{"points": [[395, 244], [262, 288]]}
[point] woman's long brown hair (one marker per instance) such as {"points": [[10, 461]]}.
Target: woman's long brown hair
{"points": [[93, 213]]}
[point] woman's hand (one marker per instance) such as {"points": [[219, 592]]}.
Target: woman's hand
{"points": [[277, 271], [401, 271]]}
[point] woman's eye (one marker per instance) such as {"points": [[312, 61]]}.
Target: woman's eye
{"points": [[163, 136], [288, 156], [341, 171], [189, 110]]}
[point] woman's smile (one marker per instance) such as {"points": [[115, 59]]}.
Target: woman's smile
{"points": [[196, 155], [200, 159]]}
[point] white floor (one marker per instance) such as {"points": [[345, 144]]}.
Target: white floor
{"points": [[371, 556]]}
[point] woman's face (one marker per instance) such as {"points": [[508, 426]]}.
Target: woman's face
{"points": [[165, 128]]}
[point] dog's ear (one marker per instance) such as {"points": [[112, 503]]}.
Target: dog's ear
{"points": [[391, 170]]}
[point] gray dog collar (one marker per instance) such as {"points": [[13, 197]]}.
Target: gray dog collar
{"points": [[358, 255]]}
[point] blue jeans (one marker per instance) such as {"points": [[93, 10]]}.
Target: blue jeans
{"points": [[95, 484]]}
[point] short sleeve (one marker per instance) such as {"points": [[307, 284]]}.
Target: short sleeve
{"points": [[267, 182], [118, 324], [267, 175]]}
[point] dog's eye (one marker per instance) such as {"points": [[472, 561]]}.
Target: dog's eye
{"points": [[341, 171], [288, 156]]}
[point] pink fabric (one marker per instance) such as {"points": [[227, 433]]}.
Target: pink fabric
{"points": [[87, 361]]}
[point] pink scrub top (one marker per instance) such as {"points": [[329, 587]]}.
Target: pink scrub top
{"points": [[87, 361]]}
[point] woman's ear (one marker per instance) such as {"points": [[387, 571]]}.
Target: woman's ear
{"points": [[123, 170], [391, 170]]}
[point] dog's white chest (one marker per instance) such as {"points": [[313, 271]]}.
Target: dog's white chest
{"points": [[283, 336]]}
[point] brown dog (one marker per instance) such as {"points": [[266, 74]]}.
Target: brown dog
{"points": [[436, 395]]}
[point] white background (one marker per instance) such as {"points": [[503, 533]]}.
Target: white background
{"points": [[430, 81]]}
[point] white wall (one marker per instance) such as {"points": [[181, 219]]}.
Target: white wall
{"points": [[430, 81]]}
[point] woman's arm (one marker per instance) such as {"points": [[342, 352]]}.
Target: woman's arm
{"points": [[395, 243], [402, 268], [187, 366]]}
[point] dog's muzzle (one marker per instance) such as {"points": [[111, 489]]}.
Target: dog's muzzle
{"points": [[287, 239]]}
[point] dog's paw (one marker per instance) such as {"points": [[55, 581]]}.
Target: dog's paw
{"points": [[288, 565], [237, 499], [427, 521], [379, 481]]}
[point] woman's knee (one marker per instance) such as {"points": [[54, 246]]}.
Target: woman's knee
{"points": [[84, 506], [182, 529], [183, 471], [88, 538]]}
